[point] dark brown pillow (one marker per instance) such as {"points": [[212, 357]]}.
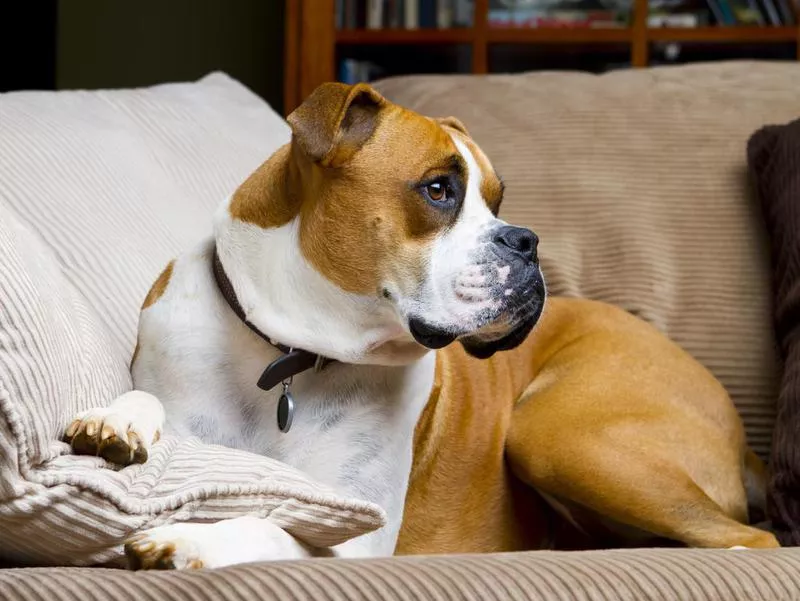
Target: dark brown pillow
{"points": [[774, 159]]}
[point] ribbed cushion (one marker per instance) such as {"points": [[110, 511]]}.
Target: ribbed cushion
{"points": [[642, 575], [98, 190], [636, 183], [774, 154]]}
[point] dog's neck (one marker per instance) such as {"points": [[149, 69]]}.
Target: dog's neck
{"points": [[292, 303]]}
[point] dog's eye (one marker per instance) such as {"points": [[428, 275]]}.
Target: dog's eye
{"points": [[437, 191]]}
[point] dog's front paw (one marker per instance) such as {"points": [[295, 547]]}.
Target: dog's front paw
{"points": [[162, 549], [121, 433]]}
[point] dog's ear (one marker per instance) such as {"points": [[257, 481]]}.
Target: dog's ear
{"points": [[454, 123], [335, 121]]}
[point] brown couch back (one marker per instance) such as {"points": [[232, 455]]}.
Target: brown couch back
{"points": [[636, 182]]}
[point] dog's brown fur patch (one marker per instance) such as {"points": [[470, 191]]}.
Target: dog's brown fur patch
{"points": [[159, 286], [265, 199]]}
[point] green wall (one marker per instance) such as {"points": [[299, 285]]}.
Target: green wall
{"points": [[123, 43]]}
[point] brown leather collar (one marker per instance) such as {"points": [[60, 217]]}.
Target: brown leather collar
{"points": [[292, 362]]}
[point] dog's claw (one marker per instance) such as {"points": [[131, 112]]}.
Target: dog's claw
{"points": [[101, 433], [72, 429]]}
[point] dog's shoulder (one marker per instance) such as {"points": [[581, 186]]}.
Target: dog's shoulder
{"points": [[181, 312]]}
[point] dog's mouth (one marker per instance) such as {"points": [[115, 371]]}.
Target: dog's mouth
{"points": [[482, 347], [498, 328], [430, 336]]}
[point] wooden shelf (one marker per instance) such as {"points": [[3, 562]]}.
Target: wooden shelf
{"points": [[724, 34], [312, 39], [404, 36]]}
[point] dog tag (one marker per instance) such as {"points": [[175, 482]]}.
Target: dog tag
{"points": [[285, 411]]}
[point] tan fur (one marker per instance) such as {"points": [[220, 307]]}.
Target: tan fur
{"points": [[462, 499], [599, 411], [156, 291], [268, 181], [159, 286]]}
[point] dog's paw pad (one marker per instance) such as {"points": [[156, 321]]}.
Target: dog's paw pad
{"points": [[104, 433], [147, 552]]}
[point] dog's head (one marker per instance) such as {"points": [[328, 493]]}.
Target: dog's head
{"points": [[403, 208]]}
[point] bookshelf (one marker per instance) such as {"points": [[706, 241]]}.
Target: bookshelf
{"points": [[312, 40]]}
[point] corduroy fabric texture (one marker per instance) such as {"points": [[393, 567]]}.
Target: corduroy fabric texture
{"points": [[642, 575], [636, 183], [774, 156], [98, 190]]}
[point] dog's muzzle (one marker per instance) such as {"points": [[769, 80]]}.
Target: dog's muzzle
{"points": [[517, 289]]}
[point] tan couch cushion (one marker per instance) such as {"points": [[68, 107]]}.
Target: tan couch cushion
{"points": [[636, 182], [98, 190]]}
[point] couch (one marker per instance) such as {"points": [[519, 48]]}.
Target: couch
{"points": [[635, 181]]}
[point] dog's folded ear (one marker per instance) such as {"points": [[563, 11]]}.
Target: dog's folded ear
{"points": [[454, 123], [335, 121]]}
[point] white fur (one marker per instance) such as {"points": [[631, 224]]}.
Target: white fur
{"points": [[204, 363], [135, 412], [354, 422], [229, 542], [457, 290], [285, 297]]}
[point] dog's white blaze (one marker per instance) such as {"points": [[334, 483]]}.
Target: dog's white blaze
{"points": [[454, 297]]}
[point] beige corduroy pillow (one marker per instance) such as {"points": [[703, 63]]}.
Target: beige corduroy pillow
{"points": [[97, 191]]}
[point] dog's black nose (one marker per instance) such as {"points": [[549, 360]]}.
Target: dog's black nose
{"points": [[519, 240]]}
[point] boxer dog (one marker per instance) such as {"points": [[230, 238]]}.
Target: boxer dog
{"points": [[305, 330]]}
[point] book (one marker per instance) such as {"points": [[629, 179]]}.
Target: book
{"points": [[463, 13], [716, 11], [746, 13], [353, 71], [558, 13], [374, 14], [427, 14], [350, 14], [678, 13], [339, 12], [444, 14], [786, 10], [723, 12], [755, 8], [687, 19], [771, 13], [393, 14], [411, 14]]}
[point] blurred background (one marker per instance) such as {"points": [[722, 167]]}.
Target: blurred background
{"points": [[282, 49]]}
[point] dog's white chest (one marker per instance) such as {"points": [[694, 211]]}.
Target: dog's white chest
{"points": [[353, 425]]}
